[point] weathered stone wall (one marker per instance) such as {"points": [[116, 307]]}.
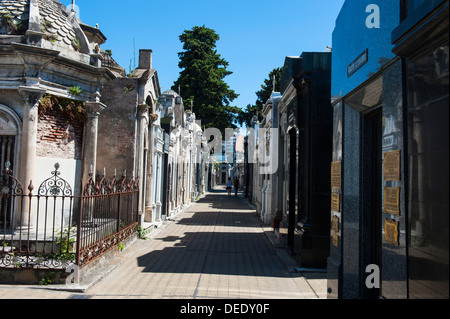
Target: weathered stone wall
{"points": [[59, 137], [116, 128]]}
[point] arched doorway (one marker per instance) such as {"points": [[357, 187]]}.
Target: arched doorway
{"points": [[10, 134]]}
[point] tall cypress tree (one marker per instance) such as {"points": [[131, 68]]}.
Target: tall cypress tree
{"points": [[246, 115], [202, 79]]}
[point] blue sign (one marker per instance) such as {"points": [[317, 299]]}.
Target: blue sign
{"points": [[358, 63]]}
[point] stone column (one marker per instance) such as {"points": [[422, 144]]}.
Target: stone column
{"points": [[90, 139], [148, 209], [31, 97], [142, 118]]}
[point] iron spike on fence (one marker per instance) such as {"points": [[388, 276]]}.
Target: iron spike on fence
{"points": [[31, 188]]}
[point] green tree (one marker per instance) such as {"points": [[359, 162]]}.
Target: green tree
{"points": [[246, 115], [202, 79]]}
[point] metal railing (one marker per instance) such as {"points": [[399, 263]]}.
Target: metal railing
{"points": [[108, 215], [54, 229]]}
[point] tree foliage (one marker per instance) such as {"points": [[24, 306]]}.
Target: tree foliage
{"points": [[202, 76], [246, 115]]}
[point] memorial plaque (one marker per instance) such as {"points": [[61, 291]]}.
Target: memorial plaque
{"points": [[392, 200], [336, 177], [335, 224], [362, 59], [335, 239], [391, 231], [335, 202], [391, 166]]}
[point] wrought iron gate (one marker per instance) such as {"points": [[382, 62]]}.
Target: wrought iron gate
{"points": [[58, 229], [108, 215]]}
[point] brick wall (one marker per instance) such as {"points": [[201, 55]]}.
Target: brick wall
{"points": [[59, 137], [116, 126]]}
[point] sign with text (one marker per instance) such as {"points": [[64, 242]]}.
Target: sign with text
{"points": [[391, 166], [362, 59], [336, 175], [335, 224], [391, 231], [392, 200], [335, 202]]}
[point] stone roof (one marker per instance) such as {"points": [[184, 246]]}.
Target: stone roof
{"points": [[57, 24], [14, 16], [170, 92]]}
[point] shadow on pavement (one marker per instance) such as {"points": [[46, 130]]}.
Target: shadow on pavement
{"points": [[231, 241]]}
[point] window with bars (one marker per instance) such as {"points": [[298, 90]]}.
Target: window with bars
{"points": [[6, 151]]}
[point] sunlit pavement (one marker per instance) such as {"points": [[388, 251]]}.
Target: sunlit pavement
{"points": [[217, 248]]}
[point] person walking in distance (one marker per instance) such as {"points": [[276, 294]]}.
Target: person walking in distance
{"points": [[236, 186], [229, 186]]}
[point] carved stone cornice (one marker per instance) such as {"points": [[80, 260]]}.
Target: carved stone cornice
{"points": [[31, 95], [93, 109], [142, 109]]}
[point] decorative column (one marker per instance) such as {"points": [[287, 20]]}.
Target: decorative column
{"points": [[90, 139], [142, 151], [150, 162], [31, 97]]}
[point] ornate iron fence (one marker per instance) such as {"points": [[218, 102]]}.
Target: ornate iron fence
{"points": [[55, 229], [109, 215]]}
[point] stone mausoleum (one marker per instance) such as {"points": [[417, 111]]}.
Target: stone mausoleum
{"points": [[51, 76], [389, 172]]}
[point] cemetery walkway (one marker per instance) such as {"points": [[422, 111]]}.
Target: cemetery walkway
{"points": [[216, 248]]}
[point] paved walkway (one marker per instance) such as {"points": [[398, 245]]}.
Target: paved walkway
{"points": [[217, 248]]}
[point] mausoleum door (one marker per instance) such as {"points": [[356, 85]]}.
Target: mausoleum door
{"points": [[8, 133], [372, 192], [292, 197]]}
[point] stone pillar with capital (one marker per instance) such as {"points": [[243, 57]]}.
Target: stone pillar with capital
{"points": [[148, 209], [142, 151], [90, 139], [31, 97]]}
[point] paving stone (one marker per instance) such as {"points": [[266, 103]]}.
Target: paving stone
{"points": [[215, 249]]}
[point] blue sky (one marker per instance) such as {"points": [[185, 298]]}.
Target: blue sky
{"points": [[255, 35]]}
